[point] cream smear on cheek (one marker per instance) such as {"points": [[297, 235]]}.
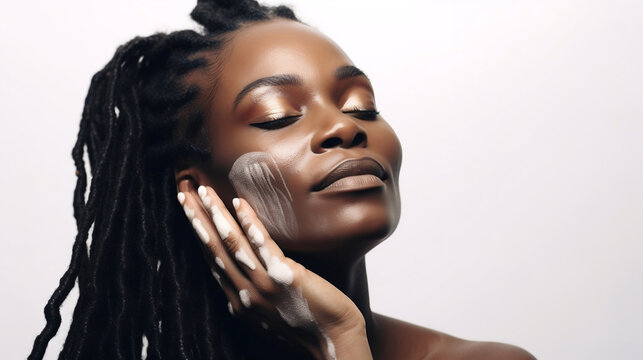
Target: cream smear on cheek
{"points": [[256, 178]]}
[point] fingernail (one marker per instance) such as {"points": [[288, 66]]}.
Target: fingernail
{"points": [[244, 295], [219, 262], [202, 191], [200, 230], [206, 201], [230, 309], [243, 258], [188, 212], [181, 197], [235, 203]]}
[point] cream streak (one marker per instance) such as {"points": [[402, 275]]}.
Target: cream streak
{"points": [[244, 295], [200, 230], [223, 226], [219, 262], [243, 258], [188, 212], [255, 235], [256, 177]]}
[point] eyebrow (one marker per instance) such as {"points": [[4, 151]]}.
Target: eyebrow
{"points": [[348, 71], [341, 73]]}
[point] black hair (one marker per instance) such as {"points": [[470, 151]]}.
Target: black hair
{"points": [[143, 278]]}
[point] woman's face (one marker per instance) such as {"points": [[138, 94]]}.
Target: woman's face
{"points": [[287, 110]]}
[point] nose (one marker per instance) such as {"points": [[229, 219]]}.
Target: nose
{"points": [[339, 130]]}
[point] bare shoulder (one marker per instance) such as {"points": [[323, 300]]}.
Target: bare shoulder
{"points": [[483, 350], [403, 340]]}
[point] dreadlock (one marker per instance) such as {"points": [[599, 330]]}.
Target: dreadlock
{"points": [[142, 280]]}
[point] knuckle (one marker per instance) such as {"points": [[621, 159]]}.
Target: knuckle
{"points": [[267, 287], [231, 242]]}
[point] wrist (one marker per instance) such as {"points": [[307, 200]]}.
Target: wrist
{"points": [[347, 342]]}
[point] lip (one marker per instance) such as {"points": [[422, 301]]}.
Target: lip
{"points": [[352, 167]]}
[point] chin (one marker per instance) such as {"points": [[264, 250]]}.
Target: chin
{"points": [[350, 230]]}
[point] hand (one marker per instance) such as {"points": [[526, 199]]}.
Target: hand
{"points": [[267, 288]]}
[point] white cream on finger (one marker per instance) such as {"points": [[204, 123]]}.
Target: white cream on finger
{"points": [[189, 212], [219, 263], [242, 256], [200, 230], [223, 226], [244, 295], [255, 235], [257, 178]]}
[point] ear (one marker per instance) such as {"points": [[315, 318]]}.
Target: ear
{"points": [[196, 173], [190, 171]]}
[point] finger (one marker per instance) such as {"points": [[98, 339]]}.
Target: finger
{"points": [[233, 237], [278, 267], [239, 290], [231, 294], [203, 227], [251, 293]]}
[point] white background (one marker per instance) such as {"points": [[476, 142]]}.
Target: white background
{"points": [[522, 129]]}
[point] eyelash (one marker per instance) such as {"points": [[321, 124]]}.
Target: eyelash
{"points": [[362, 114]]}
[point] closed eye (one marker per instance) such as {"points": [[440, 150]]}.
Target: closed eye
{"points": [[363, 114], [277, 123]]}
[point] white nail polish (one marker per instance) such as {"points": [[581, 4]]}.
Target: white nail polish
{"points": [[202, 191], [206, 201], [188, 212], [243, 258], [181, 197], [255, 235], [230, 309], [222, 225], [244, 295], [219, 262], [200, 230], [236, 203]]}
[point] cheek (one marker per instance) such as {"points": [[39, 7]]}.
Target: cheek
{"points": [[386, 143], [256, 178]]}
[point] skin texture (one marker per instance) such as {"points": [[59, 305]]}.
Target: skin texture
{"points": [[335, 227]]}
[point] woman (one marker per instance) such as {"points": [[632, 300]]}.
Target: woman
{"points": [[262, 139]]}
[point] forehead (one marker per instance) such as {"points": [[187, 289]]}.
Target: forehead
{"points": [[277, 47]]}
